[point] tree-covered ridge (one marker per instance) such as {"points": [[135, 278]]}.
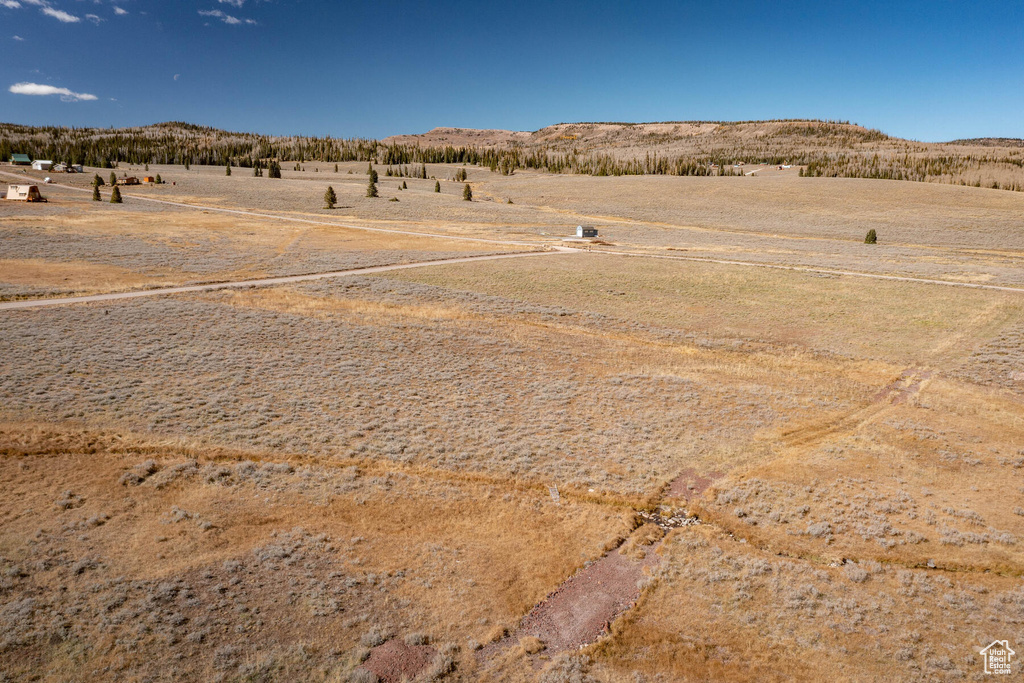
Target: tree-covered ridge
{"points": [[820, 148]]}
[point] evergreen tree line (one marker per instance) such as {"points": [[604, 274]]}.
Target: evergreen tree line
{"points": [[186, 144]]}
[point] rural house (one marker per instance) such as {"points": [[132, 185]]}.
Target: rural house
{"points": [[42, 165], [583, 231], [20, 160]]}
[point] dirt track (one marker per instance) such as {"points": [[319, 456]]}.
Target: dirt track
{"points": [[262, 282]]}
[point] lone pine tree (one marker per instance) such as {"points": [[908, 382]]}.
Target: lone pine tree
{"points": [[437, 186], [115, 196], [330, 199], [467, 193], [96, 193], [227, 168], [113, 178], [871, 238], [371, 189]]}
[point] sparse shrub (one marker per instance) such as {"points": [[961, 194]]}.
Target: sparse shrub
{"points": [[871, 237], [855, 573], [442, 664], [819, 530], [372, 638], [363, 676], [414, 639], [566, 668], [531, 645]]}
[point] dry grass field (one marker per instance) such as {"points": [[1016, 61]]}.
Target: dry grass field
{"points": [[427, 472]]}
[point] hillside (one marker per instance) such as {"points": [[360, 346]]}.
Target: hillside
{"points": [[820, 148]]}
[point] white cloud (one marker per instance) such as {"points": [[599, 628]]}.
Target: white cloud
{"points": [[60, 15], [39, 89], [37, 3], [10, 4], [18, 38], [226, 18], [120, 11], [94, 18], [233, 3]]}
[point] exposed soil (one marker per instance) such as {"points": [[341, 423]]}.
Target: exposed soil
{"points": [[583, 607], [690, 484], [394, 661], [908, 384]]}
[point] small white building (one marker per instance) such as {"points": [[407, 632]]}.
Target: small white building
{"points": [[583, 231], [24, 193], [42, 165]]}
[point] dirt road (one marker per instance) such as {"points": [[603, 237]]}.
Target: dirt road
{"points": [[262, 282]]}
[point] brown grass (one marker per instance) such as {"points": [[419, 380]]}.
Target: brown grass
{"points": [[261, 484]]}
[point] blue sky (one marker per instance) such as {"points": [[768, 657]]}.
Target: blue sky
{"points": [[924, 70]]}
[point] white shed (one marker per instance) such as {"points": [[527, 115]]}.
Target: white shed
{"points": [[24, 193], [585, 231], [42, 165]]}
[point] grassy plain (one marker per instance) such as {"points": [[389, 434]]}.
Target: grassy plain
{"points": [[263, 484]]}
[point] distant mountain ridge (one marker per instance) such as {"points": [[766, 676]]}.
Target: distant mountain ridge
{"points": [[818, 148]]}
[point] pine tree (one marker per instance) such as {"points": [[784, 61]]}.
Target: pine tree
{"points": [[227, 168], [187, 164], [96, 180], [369, 168], [467, 193], [96, 193], [371, 189], [158, 180], [330, 199], [404, 185], [147, 168], [115, 197], [437, 186], [113, 178], [871, 237], [335, 168], [373, 176], [274, 169]]}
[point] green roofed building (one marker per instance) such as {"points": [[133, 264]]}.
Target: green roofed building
{"points": [[20, 160]]}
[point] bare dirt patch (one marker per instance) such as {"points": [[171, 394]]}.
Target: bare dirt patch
{"points": [[395, 661]]}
